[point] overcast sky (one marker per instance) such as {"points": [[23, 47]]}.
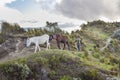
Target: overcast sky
{"points": [[35, 13]]}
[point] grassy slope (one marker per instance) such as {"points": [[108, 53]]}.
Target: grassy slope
{"points": [[96, 33], [58, 64], [94, 37], [64, 65]]}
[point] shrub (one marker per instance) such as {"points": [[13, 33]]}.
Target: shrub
{"points": [[2, 39], [113, 59], [8, 28], [90, 75], [66, 78], [102, 60], [96, 55], [16, 71], [116, 34]]}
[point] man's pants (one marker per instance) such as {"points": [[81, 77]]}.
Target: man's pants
{"points": [[78, 46]]}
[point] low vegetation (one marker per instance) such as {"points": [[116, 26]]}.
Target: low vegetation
{"points": [[53, 65], [89, 64]]}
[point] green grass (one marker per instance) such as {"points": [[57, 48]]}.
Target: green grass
{"points": [[53, 59], [98, 65], [98, 33], [56, 55]]}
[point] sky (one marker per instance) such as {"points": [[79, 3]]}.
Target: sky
{"points": [[68, 13]]}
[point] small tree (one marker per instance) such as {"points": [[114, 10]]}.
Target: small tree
{"points": [[5, 28], [8, 28], [53, 27]]}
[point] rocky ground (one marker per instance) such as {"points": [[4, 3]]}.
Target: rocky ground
{"points": [[98, 60], [14, 48]]}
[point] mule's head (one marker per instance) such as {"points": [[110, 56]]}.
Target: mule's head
{"points": [[50, 38], [28, 42]]}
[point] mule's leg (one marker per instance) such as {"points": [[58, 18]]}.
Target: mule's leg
{"points": [[35, 48], [48, 45], [68, 45], [64, 45], [58, 44], [39, 47]]}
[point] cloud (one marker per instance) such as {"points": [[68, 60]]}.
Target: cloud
{"points": [[13, 12], [10, 15], [89, 9], [30, 13], [48, 4], [25, 5], [66, 25], [29, 21], [69, 27], [22, 5], [3, 2]]}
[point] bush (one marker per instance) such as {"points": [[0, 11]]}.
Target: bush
{"points": [[113, 59], [96, 55], [66, 78], [16, 71], [90, 75], [116, 34], [102, 60], [8, 28], [2, 39]]}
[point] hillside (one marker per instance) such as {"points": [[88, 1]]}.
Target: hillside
{"points": [[53, 65], [99, 58], [96, 33], [101, 40]]}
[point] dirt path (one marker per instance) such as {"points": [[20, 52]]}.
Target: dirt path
{"points": [[19, 53], [15, 55]]}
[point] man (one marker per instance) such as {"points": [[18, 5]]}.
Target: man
{"points": [[78, 40]]}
